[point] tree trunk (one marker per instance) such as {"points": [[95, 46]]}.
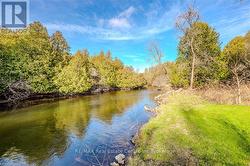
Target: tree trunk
{"points": [[238, 90], [166, 72], [193, 65]]}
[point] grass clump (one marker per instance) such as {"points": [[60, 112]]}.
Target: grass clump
{"points": [[190, 131]]}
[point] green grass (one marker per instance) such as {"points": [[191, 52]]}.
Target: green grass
{"points": [[189, 130]]}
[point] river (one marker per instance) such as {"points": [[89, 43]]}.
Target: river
{"points": [[89, 130]]}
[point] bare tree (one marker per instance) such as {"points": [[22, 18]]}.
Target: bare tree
{"points": [[157, 55], [187, 19], [240, 72], [184, 23], [236, 54]]}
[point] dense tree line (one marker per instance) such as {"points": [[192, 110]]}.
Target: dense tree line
{"points": [[44, 64]]}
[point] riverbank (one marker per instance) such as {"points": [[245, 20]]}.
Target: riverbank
{"points": [[189, 130], [38, 98]]}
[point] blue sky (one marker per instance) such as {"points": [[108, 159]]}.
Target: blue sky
{"points": [[126, 27]]}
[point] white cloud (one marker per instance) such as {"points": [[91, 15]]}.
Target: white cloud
{"points": [[94, 32], [127, 13], [122, 20], [119, 27], [119, 23]]}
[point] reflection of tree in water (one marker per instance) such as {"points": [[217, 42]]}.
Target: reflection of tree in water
{"points": [[32, 134], [113, 136], [73, 116], [107, 105], [40, 133]]}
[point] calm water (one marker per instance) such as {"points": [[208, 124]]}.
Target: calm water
{"points": [[88, 130]]}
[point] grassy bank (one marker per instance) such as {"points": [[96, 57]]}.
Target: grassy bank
{"points": [[190, 131]]}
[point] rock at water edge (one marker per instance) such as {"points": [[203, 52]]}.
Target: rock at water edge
{"points": [[120, 158]]}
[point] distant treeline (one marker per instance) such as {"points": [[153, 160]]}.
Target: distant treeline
{"points": [[33, 59]]}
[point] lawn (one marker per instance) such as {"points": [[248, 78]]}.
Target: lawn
{"points": [[190, 131]]}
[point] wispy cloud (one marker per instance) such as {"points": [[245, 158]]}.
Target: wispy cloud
{"points": [[138, 22], [233, 18], [128, 12], [109, 21], [122, 20], [94, 32], [119, 23], [119, 27]]}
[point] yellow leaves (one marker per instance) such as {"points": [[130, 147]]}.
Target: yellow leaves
{"points": [[235, 47]]}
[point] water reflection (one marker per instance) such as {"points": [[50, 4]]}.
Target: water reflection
{"points": [[76, 131], [32, 135]]}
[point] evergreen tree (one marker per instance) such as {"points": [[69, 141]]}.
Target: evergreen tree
{"points": [[75, 78], [205, 45]]}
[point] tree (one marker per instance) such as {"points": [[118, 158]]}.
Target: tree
{"points": [[107, 68], [184, 23], [34, 50], [178, 74], [247, 44], [235, 54], [129, 79], [32, 56], [157, 55], [60, 50], [33, 62], [202, 53], [10, 60], [151, 74], [75, 77], [60, 54]]}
